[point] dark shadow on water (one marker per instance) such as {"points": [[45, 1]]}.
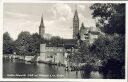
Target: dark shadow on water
{"points": [[113, 69], [108, 71]]}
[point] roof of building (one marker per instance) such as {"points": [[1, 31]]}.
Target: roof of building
{"points": [[67, 43], [76, 15]]}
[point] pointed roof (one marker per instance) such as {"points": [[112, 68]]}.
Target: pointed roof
{"points": [[42, 18], [76, 14], [42, 21], [82, 26]]}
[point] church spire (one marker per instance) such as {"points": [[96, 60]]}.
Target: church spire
{"points": [[76, 15], [42, 21], [41, 27]]}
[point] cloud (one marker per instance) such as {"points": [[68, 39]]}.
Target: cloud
{"points": [[14, 27], [57, 17], [62, 21], [16, 14], [62, 14], [63, 10]]}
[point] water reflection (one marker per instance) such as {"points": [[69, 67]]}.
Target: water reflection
{"points": [[96, 75], [27, 70]]}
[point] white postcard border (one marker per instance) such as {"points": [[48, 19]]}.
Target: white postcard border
{"points": [[52, 1]]}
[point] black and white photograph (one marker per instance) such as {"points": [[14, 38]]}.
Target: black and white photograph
{"points": [[64, 40]]}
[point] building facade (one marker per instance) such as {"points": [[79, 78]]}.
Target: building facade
{"points": [[52, 54]]}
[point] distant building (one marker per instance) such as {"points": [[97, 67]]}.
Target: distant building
{"points": [[58, 54], [86, 34]]}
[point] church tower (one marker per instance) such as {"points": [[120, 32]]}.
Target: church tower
{"points": [[41, 28], [75, 25]]}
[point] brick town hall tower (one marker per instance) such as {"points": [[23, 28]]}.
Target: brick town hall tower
{"points": [[75, 25]]}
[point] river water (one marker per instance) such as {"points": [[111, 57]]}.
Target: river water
{"points": [[28, 70]]}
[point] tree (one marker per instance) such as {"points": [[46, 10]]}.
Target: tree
{"points": [[111, 17], [82, 55], [7, 44], [110, 48], [111, 21], [22, 43], [107, 47], [56, 41], [111, 51], [34, 44]]}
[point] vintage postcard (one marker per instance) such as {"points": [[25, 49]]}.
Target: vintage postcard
{"points": [[64, 40]]}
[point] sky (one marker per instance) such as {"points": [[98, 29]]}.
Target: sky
{"points": [[57, 17]]}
